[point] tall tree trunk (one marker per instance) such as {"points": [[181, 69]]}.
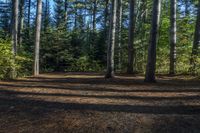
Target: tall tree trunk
{"points": [[15, 10], [21, 23], [111, 42], [37, 37], [119, 30], [151, 63], [15, 26], [173, 37], [196, 43], [131, 37]]}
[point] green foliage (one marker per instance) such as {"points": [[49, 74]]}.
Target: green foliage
{"points": [[22, 65], [84, 64], [69, 43], [56, 52], [6, 60]]}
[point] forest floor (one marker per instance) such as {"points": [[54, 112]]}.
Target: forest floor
{"points": [[88, 103]]}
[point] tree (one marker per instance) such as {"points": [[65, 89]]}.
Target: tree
{"points": [[196, 43], [46, 18], [111, 41], [37, 37], [21, 22], [131, 37], [15, 26], [172, 36], [151, 62], [59, 13], [119, 31]]}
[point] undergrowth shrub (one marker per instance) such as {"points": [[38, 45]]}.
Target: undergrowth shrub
{"points": [[84, 64], [21, 64]]}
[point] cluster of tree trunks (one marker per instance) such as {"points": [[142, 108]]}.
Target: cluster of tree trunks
{"points": [[111, 41], [114, 38], [17, 29], [151, 62]]}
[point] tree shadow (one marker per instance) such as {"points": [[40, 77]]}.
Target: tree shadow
{"points": [[119, 97], [114, 81], [46, 106], [100, 89]]}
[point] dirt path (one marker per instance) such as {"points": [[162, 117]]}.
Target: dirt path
{"points": [[86, 102]]}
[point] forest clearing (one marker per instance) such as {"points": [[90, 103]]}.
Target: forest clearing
{"points": [[99, 66], [87, 102]]}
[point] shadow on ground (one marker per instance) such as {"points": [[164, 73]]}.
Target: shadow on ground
{"points": [[29, 105]]}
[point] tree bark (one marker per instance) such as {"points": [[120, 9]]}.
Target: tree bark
{"points": [[37, 37], [15, 26], [131, 37], [111, 42], [151, 63], [119, 30], [21, 24], [196, 43], [173, 37]]}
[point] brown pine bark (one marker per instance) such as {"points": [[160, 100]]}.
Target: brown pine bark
{"points": [[131, 50], [151, 62]]}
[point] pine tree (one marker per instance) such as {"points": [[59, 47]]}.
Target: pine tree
{"points": [[111, 42], [15, 26], [151, 63], [131, 50], [173, 36], [37, 37]]}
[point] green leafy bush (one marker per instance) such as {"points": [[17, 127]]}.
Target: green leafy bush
{"points": [[6, 60], [84, 64], [21, 64]]}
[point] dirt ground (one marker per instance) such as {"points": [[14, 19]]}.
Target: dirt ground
{"points": [[88, 103]]}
